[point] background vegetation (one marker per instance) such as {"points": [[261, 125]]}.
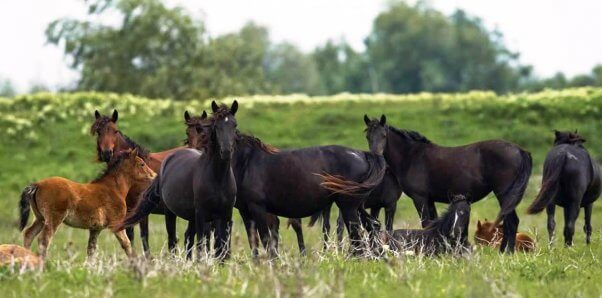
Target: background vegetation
{"points": [[47, 134]]}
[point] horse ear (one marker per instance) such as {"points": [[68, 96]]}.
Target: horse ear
{"points": [[96, 114], [234, 107], [204, 115], [556, 133], [186, 116], [134, 153], [115, 116], [214, 106], [366, 119], [383, 119], [479, 224]]}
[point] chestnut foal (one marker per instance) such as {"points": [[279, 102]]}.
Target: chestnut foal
{"points": [[488, 235], [93, 206]]}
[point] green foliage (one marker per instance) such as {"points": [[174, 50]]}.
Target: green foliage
{"points": [[47, 134]]}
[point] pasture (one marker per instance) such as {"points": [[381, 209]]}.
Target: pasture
{"points": [[48, 135]]}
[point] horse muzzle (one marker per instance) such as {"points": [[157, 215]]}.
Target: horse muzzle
{"points": [[106, 155]]}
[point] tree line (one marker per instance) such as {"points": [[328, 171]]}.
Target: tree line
{"points": [[162, 52]]}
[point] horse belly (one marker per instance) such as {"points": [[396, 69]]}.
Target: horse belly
{"points": [[94, 220]]}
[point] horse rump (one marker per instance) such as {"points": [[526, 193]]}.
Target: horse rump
{"points": [[552, 169], [374, 176]]}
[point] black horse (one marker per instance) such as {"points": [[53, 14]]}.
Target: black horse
{"points": [[448, 233], [199, 186], [297, 183], [571, 179], [428, 172]]}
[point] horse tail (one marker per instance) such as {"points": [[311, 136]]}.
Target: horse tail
{"points": [[314, 218], [514, 193], [150, 199], [27, 196], [549, 185], [374, 176]]}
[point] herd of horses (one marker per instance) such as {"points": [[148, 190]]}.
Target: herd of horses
{"points": [[220, 168]]}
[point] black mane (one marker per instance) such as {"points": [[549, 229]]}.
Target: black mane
{"points": [[445, 221], [142, 152], [245, 139], [411, 135]]}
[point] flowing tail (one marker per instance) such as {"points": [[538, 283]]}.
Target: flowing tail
{"points": [[374, 176], [514, 193], [150, 200], [549, 185], [27, 196]]}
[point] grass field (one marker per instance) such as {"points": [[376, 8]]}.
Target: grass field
{"points": [[46, 135]]}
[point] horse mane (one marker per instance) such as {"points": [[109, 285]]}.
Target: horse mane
{"points": [[112, 166], [245, 139], [142, 152], [446, 219], [410, 134]]}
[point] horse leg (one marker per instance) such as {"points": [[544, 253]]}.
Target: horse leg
{"points": [[274, 227], [571, 212], [129, 231], [260, 218], [551, 210], [340, 229], [375, 212], [170, 227], [200, 225], [510, 227], [326, 225], [219, 239], [390, 216], [432, 210], [353, 223], [189, 239], [421, 205], [51, 224], [209, 229], [92, 239], [587, 228], [296, 225], [125, 243], [144, 236], [251, 233], [31, 232]]}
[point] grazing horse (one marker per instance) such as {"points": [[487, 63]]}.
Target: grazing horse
{"points": [[428, 172], [571, 179], [110, 139], [93, 206], [446, 234], [199, 185], [300, 182], [489, 235]]}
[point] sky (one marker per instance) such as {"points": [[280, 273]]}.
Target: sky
{"points": [[551, 35]]}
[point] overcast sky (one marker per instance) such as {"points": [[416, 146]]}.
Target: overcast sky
{"points": [[551, 35]]}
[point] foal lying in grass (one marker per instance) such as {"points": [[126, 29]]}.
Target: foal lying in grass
{"points": [[488, 235], [446, 234], [93, 206]]}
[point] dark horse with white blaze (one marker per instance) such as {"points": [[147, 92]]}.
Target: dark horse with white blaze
{"points": [[571, 179], [199, 186], [427, 172]]}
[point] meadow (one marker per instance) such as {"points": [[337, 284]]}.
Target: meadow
{"points": [[47, 134]]}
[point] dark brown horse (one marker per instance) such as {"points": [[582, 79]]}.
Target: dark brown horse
{"points": [[199, 185], [110, 139], [572, 180], [428, 172]]}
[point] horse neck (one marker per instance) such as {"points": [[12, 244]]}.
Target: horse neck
{"points": [[397, 151], [117, 182], [122, 144]]}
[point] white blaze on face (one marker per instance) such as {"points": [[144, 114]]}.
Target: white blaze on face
{"points": [[571, 156], [455, 222], [226, 119]]}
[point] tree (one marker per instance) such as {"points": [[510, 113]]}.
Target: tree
{"points": [[154, 51], [340, 68], [6, 88], [415, 48], [291, 71]]}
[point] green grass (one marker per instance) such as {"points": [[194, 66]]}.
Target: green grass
{"points": [[45, 135]]}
